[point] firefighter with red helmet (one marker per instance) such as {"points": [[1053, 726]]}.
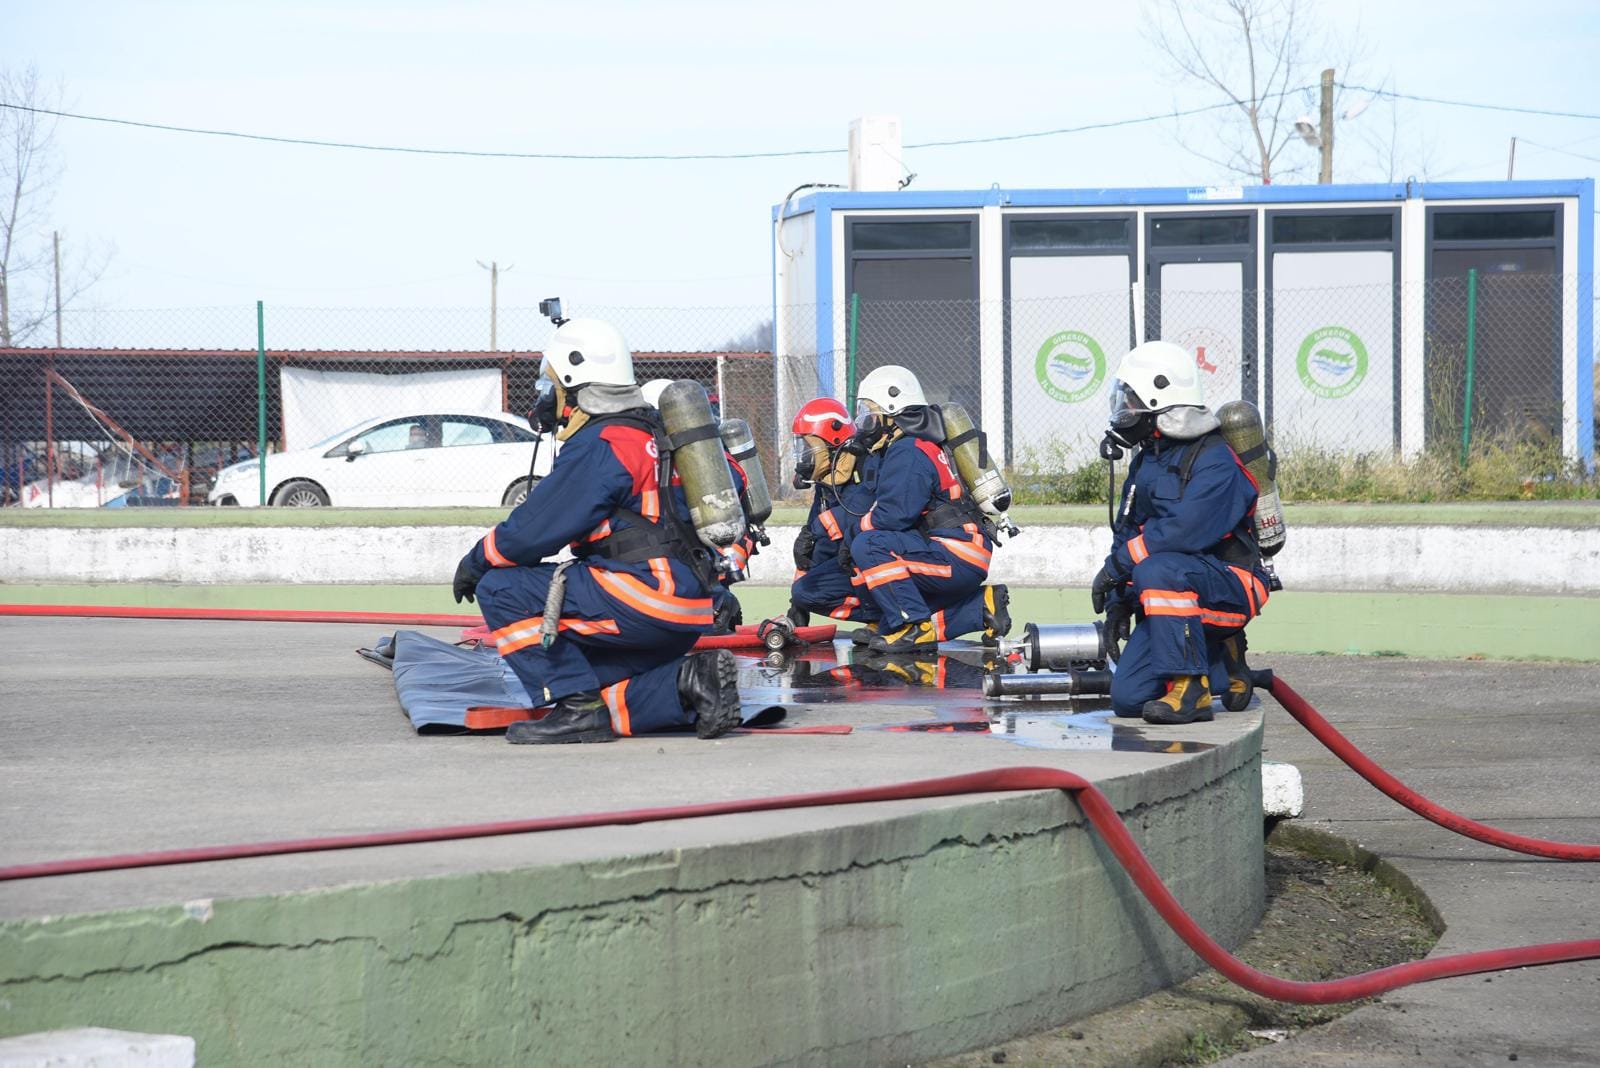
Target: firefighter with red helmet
{"points": [[826, 459]]}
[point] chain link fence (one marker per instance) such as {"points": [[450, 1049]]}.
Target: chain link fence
{"points": [[146, 407]]}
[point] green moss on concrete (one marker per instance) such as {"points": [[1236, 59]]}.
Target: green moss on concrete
{"points": [[889, 941]]}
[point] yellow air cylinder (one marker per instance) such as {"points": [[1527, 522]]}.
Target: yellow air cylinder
{"points": [[741, 445], [982, 479], [1242, 430], [697, 456]]}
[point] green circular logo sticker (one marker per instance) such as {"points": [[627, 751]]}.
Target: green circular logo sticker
{"points": [[1332, 362], [1070, 366]]}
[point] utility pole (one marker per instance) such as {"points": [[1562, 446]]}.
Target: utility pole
{"points": [[1511, 162], [494, 301], [1325, 128], [55, 236]]}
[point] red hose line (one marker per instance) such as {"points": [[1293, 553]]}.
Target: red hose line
{"points": [[1363, 765], [1094, 804], [248, 615]]}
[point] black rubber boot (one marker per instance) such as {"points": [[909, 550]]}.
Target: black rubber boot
{"points": [[918, 637], [798, 617], [708, 683], [1188, 700], [996, 613], [864, 635], [579, 717], [1241, 680]]}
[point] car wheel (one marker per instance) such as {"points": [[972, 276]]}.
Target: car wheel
{"points": [[518, 492], [300, 494]]}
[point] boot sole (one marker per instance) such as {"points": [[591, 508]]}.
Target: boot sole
{"points": [[726, 713], [1173, 719], [562, 739]]}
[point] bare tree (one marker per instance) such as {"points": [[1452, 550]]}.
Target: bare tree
{"points": [[29, 170], [1262, 57]]}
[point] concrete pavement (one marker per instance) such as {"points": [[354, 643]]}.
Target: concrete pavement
{"points": [[1515, 745]]}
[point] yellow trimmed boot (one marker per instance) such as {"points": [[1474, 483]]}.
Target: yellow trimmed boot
{"points": [[1240, 680], [996, 613], [1187, 700], [911, 638], [864, 635]]}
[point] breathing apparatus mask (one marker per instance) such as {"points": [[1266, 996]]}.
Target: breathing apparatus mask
{"points": [[1130, 422], [872, 426], [815, 462], [546, 414]]}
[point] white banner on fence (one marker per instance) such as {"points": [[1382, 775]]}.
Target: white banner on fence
{"points": [[1202, 309], [1333, 350], [318, 404], [1069, 330]]}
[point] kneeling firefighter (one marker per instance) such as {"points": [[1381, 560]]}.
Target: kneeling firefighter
{"points": [[924, 548], [615, 659], [826, 459], [1184, 556]]}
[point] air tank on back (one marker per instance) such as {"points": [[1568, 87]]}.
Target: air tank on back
{"points": [[1242, 429], [697, 456], [741, 445], [978, 472]]}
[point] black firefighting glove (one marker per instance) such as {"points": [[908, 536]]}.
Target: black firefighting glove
{"points": [[804, 545], [1104, 583], [1119, 624], [465, 586], [844, 558]]}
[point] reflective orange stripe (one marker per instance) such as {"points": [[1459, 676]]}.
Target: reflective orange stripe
{"points": [[866, 520], [939, 626], [740, 554], [830, 524], [601, 531], [491, 552], [636, 594], [616, 699], [1169, 603], [526, 632], [884, 573], [845, 608], [936, 570], [663, 573], [798, 574], [1222, 619], [971, 552], [1137, 551], [650, 504]]}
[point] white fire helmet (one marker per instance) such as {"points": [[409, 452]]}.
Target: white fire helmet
{"points": [[1153, 377], [583, 351], [889, 388]]}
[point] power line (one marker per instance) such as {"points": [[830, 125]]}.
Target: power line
{"points": [[1564, 152], [619, 156], [1391, 94]]}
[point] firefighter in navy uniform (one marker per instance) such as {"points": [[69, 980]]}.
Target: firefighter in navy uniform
{"points": [[924, 548], [638, 594], [1184, 559], [824, 580]]}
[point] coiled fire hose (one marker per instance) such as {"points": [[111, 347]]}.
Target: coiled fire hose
{"points": [[1095, 807]]}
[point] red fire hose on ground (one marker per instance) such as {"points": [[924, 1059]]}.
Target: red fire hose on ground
{"points": [[1095, 807]]}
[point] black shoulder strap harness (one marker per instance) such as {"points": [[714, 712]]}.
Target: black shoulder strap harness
{"points": [[644, 539], [1237, 549]]}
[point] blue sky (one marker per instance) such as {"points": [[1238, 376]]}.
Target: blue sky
{"points": [[210, 221]]}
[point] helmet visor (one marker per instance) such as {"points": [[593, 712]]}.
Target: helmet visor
{"points": [[1126, 407], [869, 419], [803, 455]]}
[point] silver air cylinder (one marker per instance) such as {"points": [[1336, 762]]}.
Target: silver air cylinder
{"points": [[697, 456], [1075, 683], [741, 445], [1059, 646]]}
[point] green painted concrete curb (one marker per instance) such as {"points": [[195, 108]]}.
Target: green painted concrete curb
{"points": [[1433, 625], [891, 940]]}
